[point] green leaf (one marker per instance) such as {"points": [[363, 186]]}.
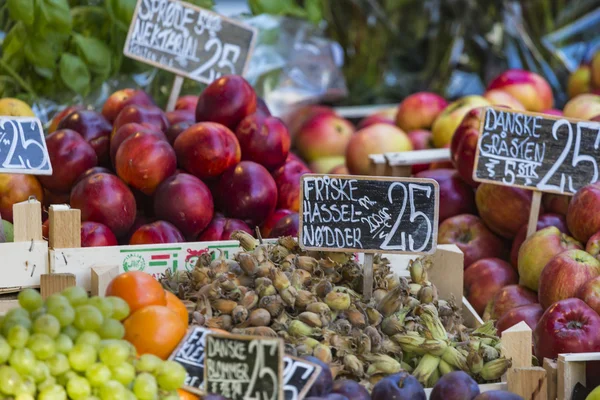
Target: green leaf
{"points": [[95, 53], [91, 21], [314, 10], [14, 41], [121, 11], [74, 73], [207, 4], [39, 53], [21, 10], [275, 7], [55, 14]]}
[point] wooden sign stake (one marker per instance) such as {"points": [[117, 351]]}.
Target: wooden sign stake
{"points": [[65, 227], [101, 277], [368, 277], [175, 90], [28, 214], [534, 212]]}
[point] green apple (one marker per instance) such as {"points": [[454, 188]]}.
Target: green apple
{"points": [[8, 231]]}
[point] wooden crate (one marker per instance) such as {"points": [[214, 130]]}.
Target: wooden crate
{"points": [[566, 372], [400, 164]]}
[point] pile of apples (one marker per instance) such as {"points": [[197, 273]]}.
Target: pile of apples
{"points": [[218, 163]]}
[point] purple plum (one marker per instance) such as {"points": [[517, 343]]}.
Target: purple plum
{"points": [[324, 382], [456, 385], [498, 395], [400, 386], [351, 389]]}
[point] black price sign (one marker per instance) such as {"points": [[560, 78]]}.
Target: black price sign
{"points": [[368, 214], [190, 354], [187, 40], [244, 367], [23, 146], [298, 377], [534, 151]]}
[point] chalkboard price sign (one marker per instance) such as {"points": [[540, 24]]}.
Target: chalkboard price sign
{"points": [[190, 354], [368, 214], [187, 40], [244, 367], [298, 377], [539, 152], [23, 146]]}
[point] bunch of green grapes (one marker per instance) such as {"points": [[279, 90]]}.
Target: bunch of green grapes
{"points": [[71, 347]]}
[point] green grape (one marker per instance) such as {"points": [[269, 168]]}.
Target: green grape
{"points": [[53, 392], [41, 372], [18, 336], [88, 337], [64, 313], [171, 396], [23, 360], [112, 329], [170, 375], [55, 300], [120, 308], [112, 390], [78, 388], [50, 381], [103, 304], [5, 350], [37, 313], [64, 378], [24, 396], [76, 295], [8, 323], [114, 352], [71, 332], [42, 346], [16, 313], [148, 363], [88, 318], [27, 386], [47, 324], [145, 386], [63, 343], [58, 364], [30, 299], [98, 374], [9, 380], [82, 356], [130, 395], [123, 373]]}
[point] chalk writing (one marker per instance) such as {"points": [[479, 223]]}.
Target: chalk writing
{"points": [[23, 146]]}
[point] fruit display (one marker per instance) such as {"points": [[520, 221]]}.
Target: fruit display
{"points": [[313, 301], [72, 346]]}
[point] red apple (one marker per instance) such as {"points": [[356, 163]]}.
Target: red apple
{"points": [[472, 237], [593, 245], [46, 229], [186, 202], [227, 101], [15, 188], [556, 203], [122, 98], [456, 197], [583, 106], [375, 139], [530, 314], [207, 149], [583, 214], [299, 116], [325, 135], [139, 221], [248, 192], [420, 139], [286, 226], [269, 223], [94, 128], [590, 293], [553, 111], [375, 119], [70, 156], [544, 221], [221, 228], [106, 199], [568, 326], [326, 164], [262, 110], [156, 233], [91, 171], [128, 130], [177, 116], [537, 250], [287, 179], [484, 278], [499, 97], [60, 115], [95, 234], [579, 81], [419, 110], [450, 118], [339, 170], [504, 209], [150, 115], [564, 274], [175, 130], [188, 103], [144, 161], [527, 87], [264, 140], [508, 298], [470, 123]]}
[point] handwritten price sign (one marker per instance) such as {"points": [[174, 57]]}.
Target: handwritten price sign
{"points": [[537, 151], [188, 41], [368, 214], [23, 147]]}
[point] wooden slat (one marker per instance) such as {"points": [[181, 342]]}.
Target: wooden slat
{"points": [[101, 277], [27, 217], [65, 227], [54, 283], [529, 383]]}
